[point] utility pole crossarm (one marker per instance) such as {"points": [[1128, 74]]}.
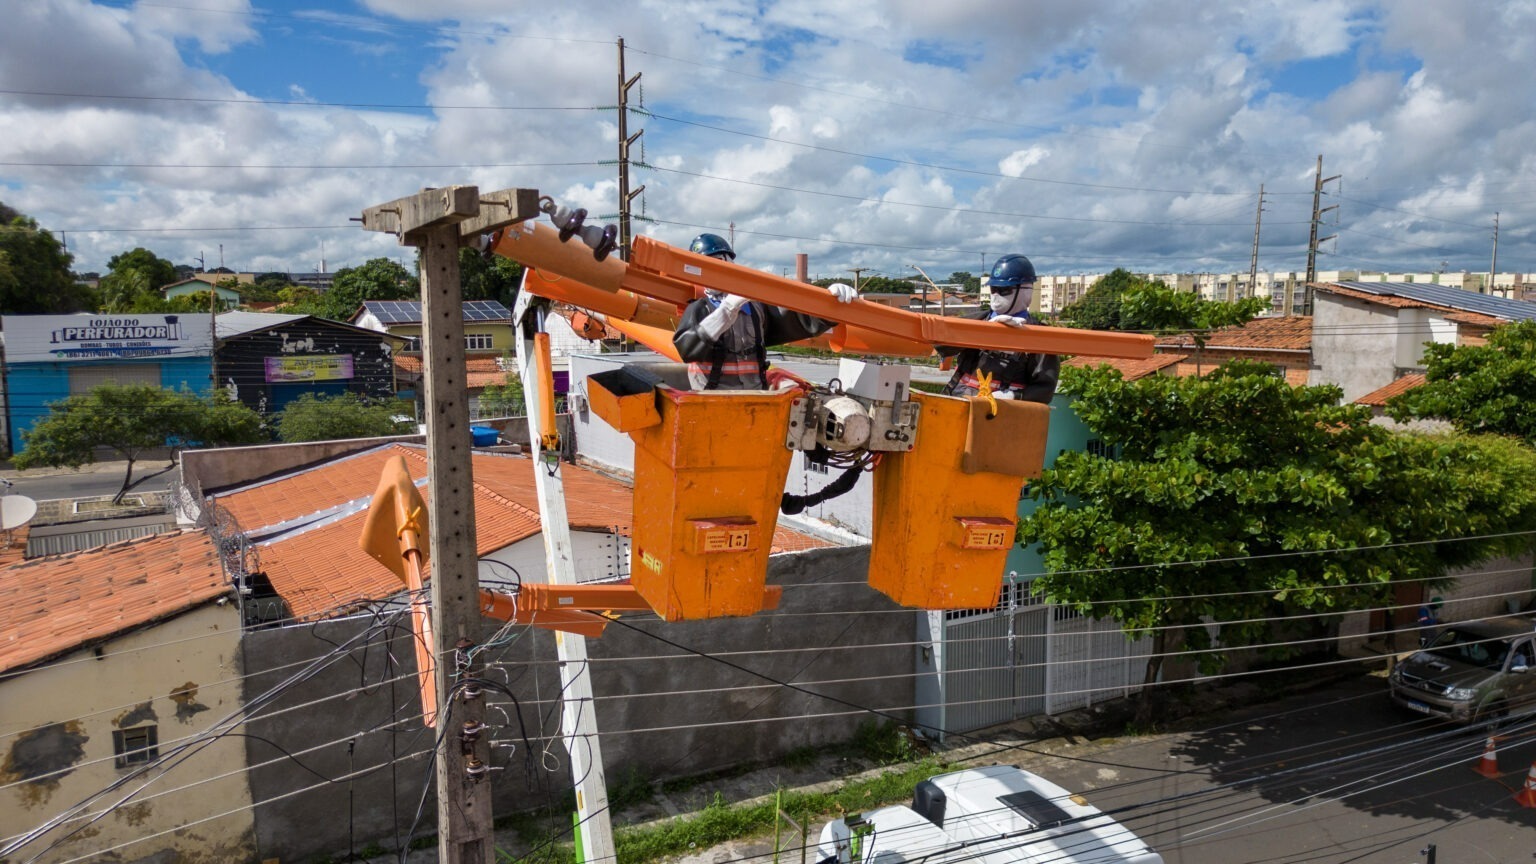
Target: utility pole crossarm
{"points": [[430, 208], [499, 209]]}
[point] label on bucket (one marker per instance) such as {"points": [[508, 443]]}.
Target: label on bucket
{"points": [[712, 536], [985, 532]]}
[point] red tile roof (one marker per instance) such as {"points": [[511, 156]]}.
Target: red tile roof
{"points": [[1293, 333], [1378, 398], [321, 570], [1130, 370], [1378, 299], [482, 370], [49, 606]]}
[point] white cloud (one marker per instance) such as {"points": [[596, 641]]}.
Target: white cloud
{"points": [[1138, 113]]}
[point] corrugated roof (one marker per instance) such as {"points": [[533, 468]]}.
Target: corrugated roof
{"points": [[1293, 333], [53, 605], [1378, 398], [308, 522], [1449, 298], [231, 324], [1130, 370]]}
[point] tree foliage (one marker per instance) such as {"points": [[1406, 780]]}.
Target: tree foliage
{"points": [[1237, 498], [347, 415], [503, 400], [495, 278], [133, 277], [1123, 301], [378, 279], [35, 270], [129, 420], [1479, 388]]}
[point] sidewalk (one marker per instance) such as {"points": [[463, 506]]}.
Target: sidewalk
{"points": [[142, 467]]}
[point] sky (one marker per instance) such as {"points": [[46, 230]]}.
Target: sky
{"points": [[884, 135]]}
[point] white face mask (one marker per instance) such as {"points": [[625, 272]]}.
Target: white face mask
{"points": [[1012, 304]]}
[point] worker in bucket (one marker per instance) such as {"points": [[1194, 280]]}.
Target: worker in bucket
{"points": [[723, 337], [1012, 375]]}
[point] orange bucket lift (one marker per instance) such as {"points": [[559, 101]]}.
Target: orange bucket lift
{"points": [[944, 512], [709, 470]]}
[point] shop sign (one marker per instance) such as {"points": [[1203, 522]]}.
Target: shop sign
{"points": [[41, 338], [312, 367]]}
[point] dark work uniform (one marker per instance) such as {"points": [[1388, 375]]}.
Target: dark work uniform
{"points": [[738, 360], [1030, 377]]}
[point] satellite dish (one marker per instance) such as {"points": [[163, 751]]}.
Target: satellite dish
{"points": [[16, 511]]}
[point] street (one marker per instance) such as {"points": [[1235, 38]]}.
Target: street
{"points": [[101, 478], [1332, 776]]}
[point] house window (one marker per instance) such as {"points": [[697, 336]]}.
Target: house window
{"points": [[135, 746], [478, 342], [1100, 449]]}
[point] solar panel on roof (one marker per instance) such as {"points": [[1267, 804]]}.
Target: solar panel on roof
{"points": [[485, 310], [1455, 298]]}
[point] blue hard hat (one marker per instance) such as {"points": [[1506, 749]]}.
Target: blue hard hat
{"points": [[712, 245], [1012, 271]]}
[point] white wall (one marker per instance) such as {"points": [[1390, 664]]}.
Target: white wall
{"points": [[599, 557], [1354, 344]]}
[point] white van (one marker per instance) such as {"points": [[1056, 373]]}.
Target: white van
{"points": [[994, 815]]}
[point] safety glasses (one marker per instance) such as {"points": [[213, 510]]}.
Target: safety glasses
{"points": [[1005, 290]]}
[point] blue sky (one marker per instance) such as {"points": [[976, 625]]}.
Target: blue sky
{"points": [[1087, 134]]}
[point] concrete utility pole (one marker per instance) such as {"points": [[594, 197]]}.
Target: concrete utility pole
{"points": [[1493, 268], [856, 272], [434, 221], [1253, 263], [1312, 244], [626, 197]]}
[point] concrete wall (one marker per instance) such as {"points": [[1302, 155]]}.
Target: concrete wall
{"points": [[661, 711], [229, 466], [1354, 344], [56, 734]]}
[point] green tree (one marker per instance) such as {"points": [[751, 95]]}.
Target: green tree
{"points": [[495, 279], [503, 400], [378, 279], [329, 418], [1479, 388], [35, 270], [131, 275], [129, 420], [967, 281], [1099, 307], [1237, 498]]}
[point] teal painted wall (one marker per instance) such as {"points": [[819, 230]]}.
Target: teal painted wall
{"points": [[1065, 433], [31, 386]]}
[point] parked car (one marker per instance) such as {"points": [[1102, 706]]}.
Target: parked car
{"points": [[994, 815], [1473, 672]]}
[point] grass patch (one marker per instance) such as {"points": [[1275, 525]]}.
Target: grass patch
{"points": [[883, 743], [720, 822]]}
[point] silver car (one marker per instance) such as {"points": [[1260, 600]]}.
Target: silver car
{"points": [[1473, 672]]}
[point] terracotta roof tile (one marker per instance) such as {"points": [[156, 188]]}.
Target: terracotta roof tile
{"points": [[1378, 299], [482, 370], [1130, 370], [320, 570], [1281, 333], [1378, 398], [49, 606]]}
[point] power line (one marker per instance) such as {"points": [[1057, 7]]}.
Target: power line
{"points": [[301, 103]]}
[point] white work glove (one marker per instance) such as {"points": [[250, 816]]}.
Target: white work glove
{"points": [[1011, 320], [717, 322], [844, 293]]}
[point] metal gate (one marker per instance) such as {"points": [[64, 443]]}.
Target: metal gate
{"points": [[1024, 658]]}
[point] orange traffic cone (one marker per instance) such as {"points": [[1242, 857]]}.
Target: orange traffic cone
{"points": [[1527, 797], [1488, 765]]}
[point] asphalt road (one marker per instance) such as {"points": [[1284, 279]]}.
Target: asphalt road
{"points": [[100, 479], [1333, 776]]}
